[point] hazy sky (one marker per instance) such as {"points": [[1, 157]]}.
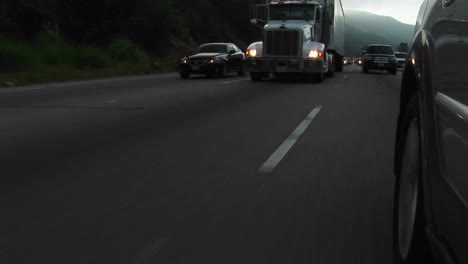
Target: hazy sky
{"points": [[405, 11]]}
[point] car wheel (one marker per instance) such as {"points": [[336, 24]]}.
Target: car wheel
{"points": [[409, 239], [393, 71], [242, 70], [184, 74], [223, 71], [256, 76], [364, 69]]}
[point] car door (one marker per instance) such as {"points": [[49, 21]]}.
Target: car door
{"points": [[448, 39], [231, 59]]}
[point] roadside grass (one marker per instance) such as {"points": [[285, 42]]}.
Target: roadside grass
{"points": [[51, 59], [67, 73]]}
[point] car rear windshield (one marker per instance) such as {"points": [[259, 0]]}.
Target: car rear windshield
{"points": [[212, 48], [380, 50]]}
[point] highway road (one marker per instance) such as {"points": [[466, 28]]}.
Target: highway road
{"points": [[156, 169]]}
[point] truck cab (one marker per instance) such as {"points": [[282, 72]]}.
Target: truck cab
{"points": [[298, 39]]}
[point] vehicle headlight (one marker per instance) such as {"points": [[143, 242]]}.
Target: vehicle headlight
{"points": [[251, 52], [393, 59], [368, 58], [315, 54], [184, 61]]}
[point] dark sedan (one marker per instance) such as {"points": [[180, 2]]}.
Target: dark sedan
{"points": [[431, 154], [213, 59], [379, 57]]}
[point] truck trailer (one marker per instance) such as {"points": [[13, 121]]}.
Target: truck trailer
{"points": [[300, 38]]}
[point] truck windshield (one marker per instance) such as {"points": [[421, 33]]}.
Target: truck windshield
{"points": [[292, 12], [380, 50], [212, 48]]}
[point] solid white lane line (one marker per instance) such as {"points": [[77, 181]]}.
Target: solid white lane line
{"points": [[242, 80], [284, 148]]}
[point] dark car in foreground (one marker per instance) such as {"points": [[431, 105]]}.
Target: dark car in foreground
{"points": [[401, 59], [213, 59], [379, 57], [431, 153]]}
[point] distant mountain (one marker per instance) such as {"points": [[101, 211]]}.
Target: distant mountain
{"points": [[363, 28]]}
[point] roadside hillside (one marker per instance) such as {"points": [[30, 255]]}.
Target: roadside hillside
{"points": [[363, 28]]}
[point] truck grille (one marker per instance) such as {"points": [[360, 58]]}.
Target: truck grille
{"points": [[381, 59], [282, 43]]}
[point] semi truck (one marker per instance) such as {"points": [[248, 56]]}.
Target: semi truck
{"points": [[299, 38]]}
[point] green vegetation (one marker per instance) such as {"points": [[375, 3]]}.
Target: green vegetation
{"points": [[50, 58]]}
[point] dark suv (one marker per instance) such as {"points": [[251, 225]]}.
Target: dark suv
{"points": [[379, 57]]}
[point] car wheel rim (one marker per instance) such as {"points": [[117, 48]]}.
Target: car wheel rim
{"points": [[408, 191]]}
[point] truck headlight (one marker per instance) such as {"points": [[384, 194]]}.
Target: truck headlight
{"points": [[315, 54], [251, 52], [393, 59]]}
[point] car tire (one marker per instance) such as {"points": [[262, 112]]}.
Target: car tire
{"points": [[393, 71], [256, 76], [184, 74], [242, 70], [364, 69], [410, 244], [223, 71]]}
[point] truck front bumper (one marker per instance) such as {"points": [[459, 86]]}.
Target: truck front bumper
{"points": [[284, 65]]}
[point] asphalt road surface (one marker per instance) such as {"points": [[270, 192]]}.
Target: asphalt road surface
{"points": [[156, 169]]}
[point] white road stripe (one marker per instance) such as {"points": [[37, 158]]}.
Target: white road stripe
{"points": [[242, 80], [281, 152], [345, 77]]}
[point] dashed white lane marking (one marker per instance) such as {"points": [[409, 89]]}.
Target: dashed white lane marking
{"points": [[241, 80], [112, 101], [284, 148], [345, 77]]}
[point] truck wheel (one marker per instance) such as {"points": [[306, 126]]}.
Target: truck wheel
{"points": [[318, 77], [364, 69], [339, 64], [331, 69], [256, 76], [392, 71]]}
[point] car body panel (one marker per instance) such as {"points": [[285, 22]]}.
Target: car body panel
{"points": [[437, 61]]}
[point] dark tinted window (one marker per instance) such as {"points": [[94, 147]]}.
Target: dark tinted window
{"points": [[380, 50], [292, 12], [212, 48]]}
